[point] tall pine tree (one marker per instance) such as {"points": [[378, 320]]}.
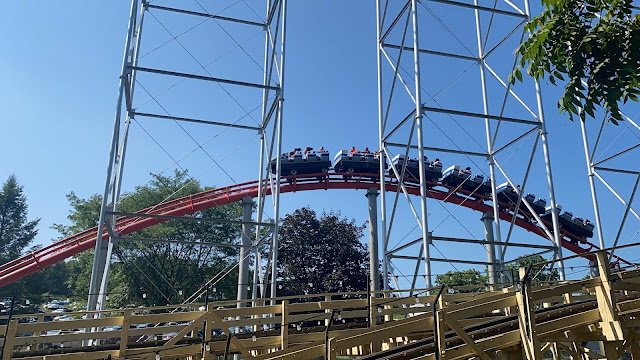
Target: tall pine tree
{"points": [[16, 232]]}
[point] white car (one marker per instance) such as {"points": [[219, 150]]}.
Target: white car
{"points": [[54, 306]]}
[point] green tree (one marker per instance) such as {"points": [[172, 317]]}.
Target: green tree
{"points": [[169, 269], [592, 42], [538, 272], [16, 233], [463, 278], [319, 255]]}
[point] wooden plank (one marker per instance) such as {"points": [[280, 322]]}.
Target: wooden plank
{"points": [[568, 322], [208, 326], [161, 318], [527, 321], [328, 305], [68, 337], [93, 355], [10, 339], [68, 325], [124, 335], [505, 340], [249, 311], [385, 331], [561, 289], [479, 300], [284, 326], [626, 285], [298, 350], [234, 340], [187, 329], [477, 349], [611, 327], [481, 306]]}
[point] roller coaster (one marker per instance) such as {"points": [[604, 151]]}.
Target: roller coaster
{"points": [[451, 188]]}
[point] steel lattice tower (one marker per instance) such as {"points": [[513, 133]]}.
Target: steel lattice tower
{"points": [[424, 51], [264, 87], [613, 171]]}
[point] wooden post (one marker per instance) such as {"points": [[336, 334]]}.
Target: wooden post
{"points": [[611, 349], [284, 326], [610, 324], [373, 312], [509, 310], [441, 328], [376, 345], [331, 352], [10, 340], [124, 333], [527, 320], [207, 333], [327, 299]]}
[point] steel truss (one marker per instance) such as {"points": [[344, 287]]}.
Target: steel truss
{"points": [[408, 102], [269, 129], [614, 163]]}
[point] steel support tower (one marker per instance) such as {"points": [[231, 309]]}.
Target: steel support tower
{"points": [[443, 92], [264, 87], [613, 170]]}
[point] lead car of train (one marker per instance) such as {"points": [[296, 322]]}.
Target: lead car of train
{"points": [[296, 164]]}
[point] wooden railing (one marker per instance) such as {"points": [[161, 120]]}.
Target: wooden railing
{"points": [[528, 319]]}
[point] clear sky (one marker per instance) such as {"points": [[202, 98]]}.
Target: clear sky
{"points": [[60, 65]]}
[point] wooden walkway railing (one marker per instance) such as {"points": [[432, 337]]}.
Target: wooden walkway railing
{"points": [[510, 323]]}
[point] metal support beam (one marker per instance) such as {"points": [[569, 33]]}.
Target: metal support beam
{"points": [[207, 15], [421, 162], [245, 251], [102, 247], [492, 269], [547, 161], [374, 277], [382, 170], [279, 124], [592, 184], [201, 77]]}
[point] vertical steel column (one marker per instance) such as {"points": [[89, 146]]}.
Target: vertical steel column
{"points": [[245, 250], [101, 248], [120, 158], [487, 219], [279, 121], [374, 276], [547, 162], [487, 124], [592, 184], [262, 184], [419, 116], [260, 210], [382, 157]]}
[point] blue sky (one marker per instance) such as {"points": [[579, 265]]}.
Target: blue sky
{"points": [[60, 68]]}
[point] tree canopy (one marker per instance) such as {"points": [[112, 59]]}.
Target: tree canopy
{"points": [[319, 255], [462, 278], [166, 270], [16, 234], [538, 273], [595, 44], [473, 277]]}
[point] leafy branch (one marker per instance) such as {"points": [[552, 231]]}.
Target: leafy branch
{"points": [[594, 45]]}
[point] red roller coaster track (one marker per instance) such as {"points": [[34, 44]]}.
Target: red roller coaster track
{"points": [[75, 244]]}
